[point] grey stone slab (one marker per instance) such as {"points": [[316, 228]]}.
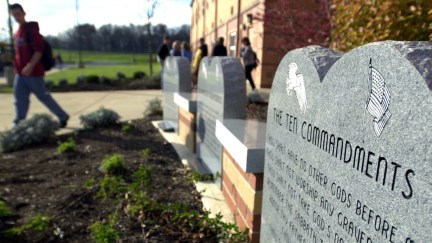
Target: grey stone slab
{"points": [[245, 141], [187, 101], [354, 163], [176, 77], [221, 95]]}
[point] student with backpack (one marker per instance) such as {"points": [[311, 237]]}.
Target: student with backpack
{"points": [[249, 60], [29, 69]]}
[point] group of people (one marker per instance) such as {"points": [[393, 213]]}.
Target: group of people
{"points": [[29, 78], [248, 55]]}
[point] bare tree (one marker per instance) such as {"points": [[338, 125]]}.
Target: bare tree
{"points": [[151, 7]]}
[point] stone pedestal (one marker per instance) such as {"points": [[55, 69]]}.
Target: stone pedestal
{"points": [[186, 103], [243, 144]]}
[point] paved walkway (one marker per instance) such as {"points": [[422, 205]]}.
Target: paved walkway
{"points": [[128, 104]]}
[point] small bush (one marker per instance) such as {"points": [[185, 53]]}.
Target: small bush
{"points": [[49, 84], [141, 178], [139, 74], [111, 187], [105, 232], [105, 80], [196, 176], [100, 118], [81, 79], [92, 79], [114, 165], [34, 130], [154, 107], [67, 146], [145, 153], [4, 210], [62, 83], [127, 127], [35, 225], [121, 75]]}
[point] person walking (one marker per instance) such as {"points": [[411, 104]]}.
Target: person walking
{"points": [[219, 49], [248, 57], [29, 71], [185, 51], [203, 47], [175, 51], [164, 50]]}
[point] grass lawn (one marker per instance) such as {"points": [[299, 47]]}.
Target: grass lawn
{"points": [[94, 56], [109, 71], [5, 89]]}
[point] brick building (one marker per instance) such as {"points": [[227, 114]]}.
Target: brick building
{"points": [[273, 26]]}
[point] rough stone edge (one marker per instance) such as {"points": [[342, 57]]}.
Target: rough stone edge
{"points": [[418, 53], [323, 58]]}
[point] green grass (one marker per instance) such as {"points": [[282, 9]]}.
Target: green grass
{"points": [[109, 71], [94, 56], [6, 89]]}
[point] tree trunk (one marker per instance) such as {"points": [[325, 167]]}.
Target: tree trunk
{"points": [[150, 49]]}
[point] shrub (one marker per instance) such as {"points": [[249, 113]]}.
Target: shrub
{"points": [[139, 74], [49, 84], [145, 153], [100, 118], [67, 146], [62, 83], [111, 186], [105, 232], [38, 128], [127, 127], [81, 79], [105, 80], [141, 178], [92, 79], [114, 165], [154, 107], [37, 224], [121, 75], [4, 210], [358, 22]]}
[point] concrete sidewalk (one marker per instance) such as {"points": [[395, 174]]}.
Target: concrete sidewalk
{"points": [[128, 104]]}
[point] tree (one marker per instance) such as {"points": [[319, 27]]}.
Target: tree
{"points": [[358, 22], [151, 7]]}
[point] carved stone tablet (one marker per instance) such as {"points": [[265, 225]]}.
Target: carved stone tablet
{"points": [[221, 95], [176, 77], [348, 150]]}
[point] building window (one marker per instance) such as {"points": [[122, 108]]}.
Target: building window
{"points": [[232, 10], [232, 44]]}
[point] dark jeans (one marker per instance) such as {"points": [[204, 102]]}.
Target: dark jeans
{"points": [[25, 85], [248, 70]]}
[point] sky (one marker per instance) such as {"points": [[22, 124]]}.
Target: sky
{"points": [[57, 16]]}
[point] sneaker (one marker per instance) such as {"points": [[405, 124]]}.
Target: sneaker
{"points": [[63, 123]]}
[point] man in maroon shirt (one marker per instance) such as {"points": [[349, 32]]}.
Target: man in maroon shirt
{"points": [[29, 71]]}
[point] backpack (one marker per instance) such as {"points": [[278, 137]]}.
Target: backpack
{"points": [[256, 60], [47, 59]]}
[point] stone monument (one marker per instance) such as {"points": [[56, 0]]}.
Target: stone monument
{"points": [[349, 146], [176, 77], [221, 95]]}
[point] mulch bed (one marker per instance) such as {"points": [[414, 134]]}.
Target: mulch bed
{"points": [[39, 180]]}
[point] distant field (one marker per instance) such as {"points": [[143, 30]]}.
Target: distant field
{"points": [[123, 64], [122, 60], [109, 71], [93, 56]]}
